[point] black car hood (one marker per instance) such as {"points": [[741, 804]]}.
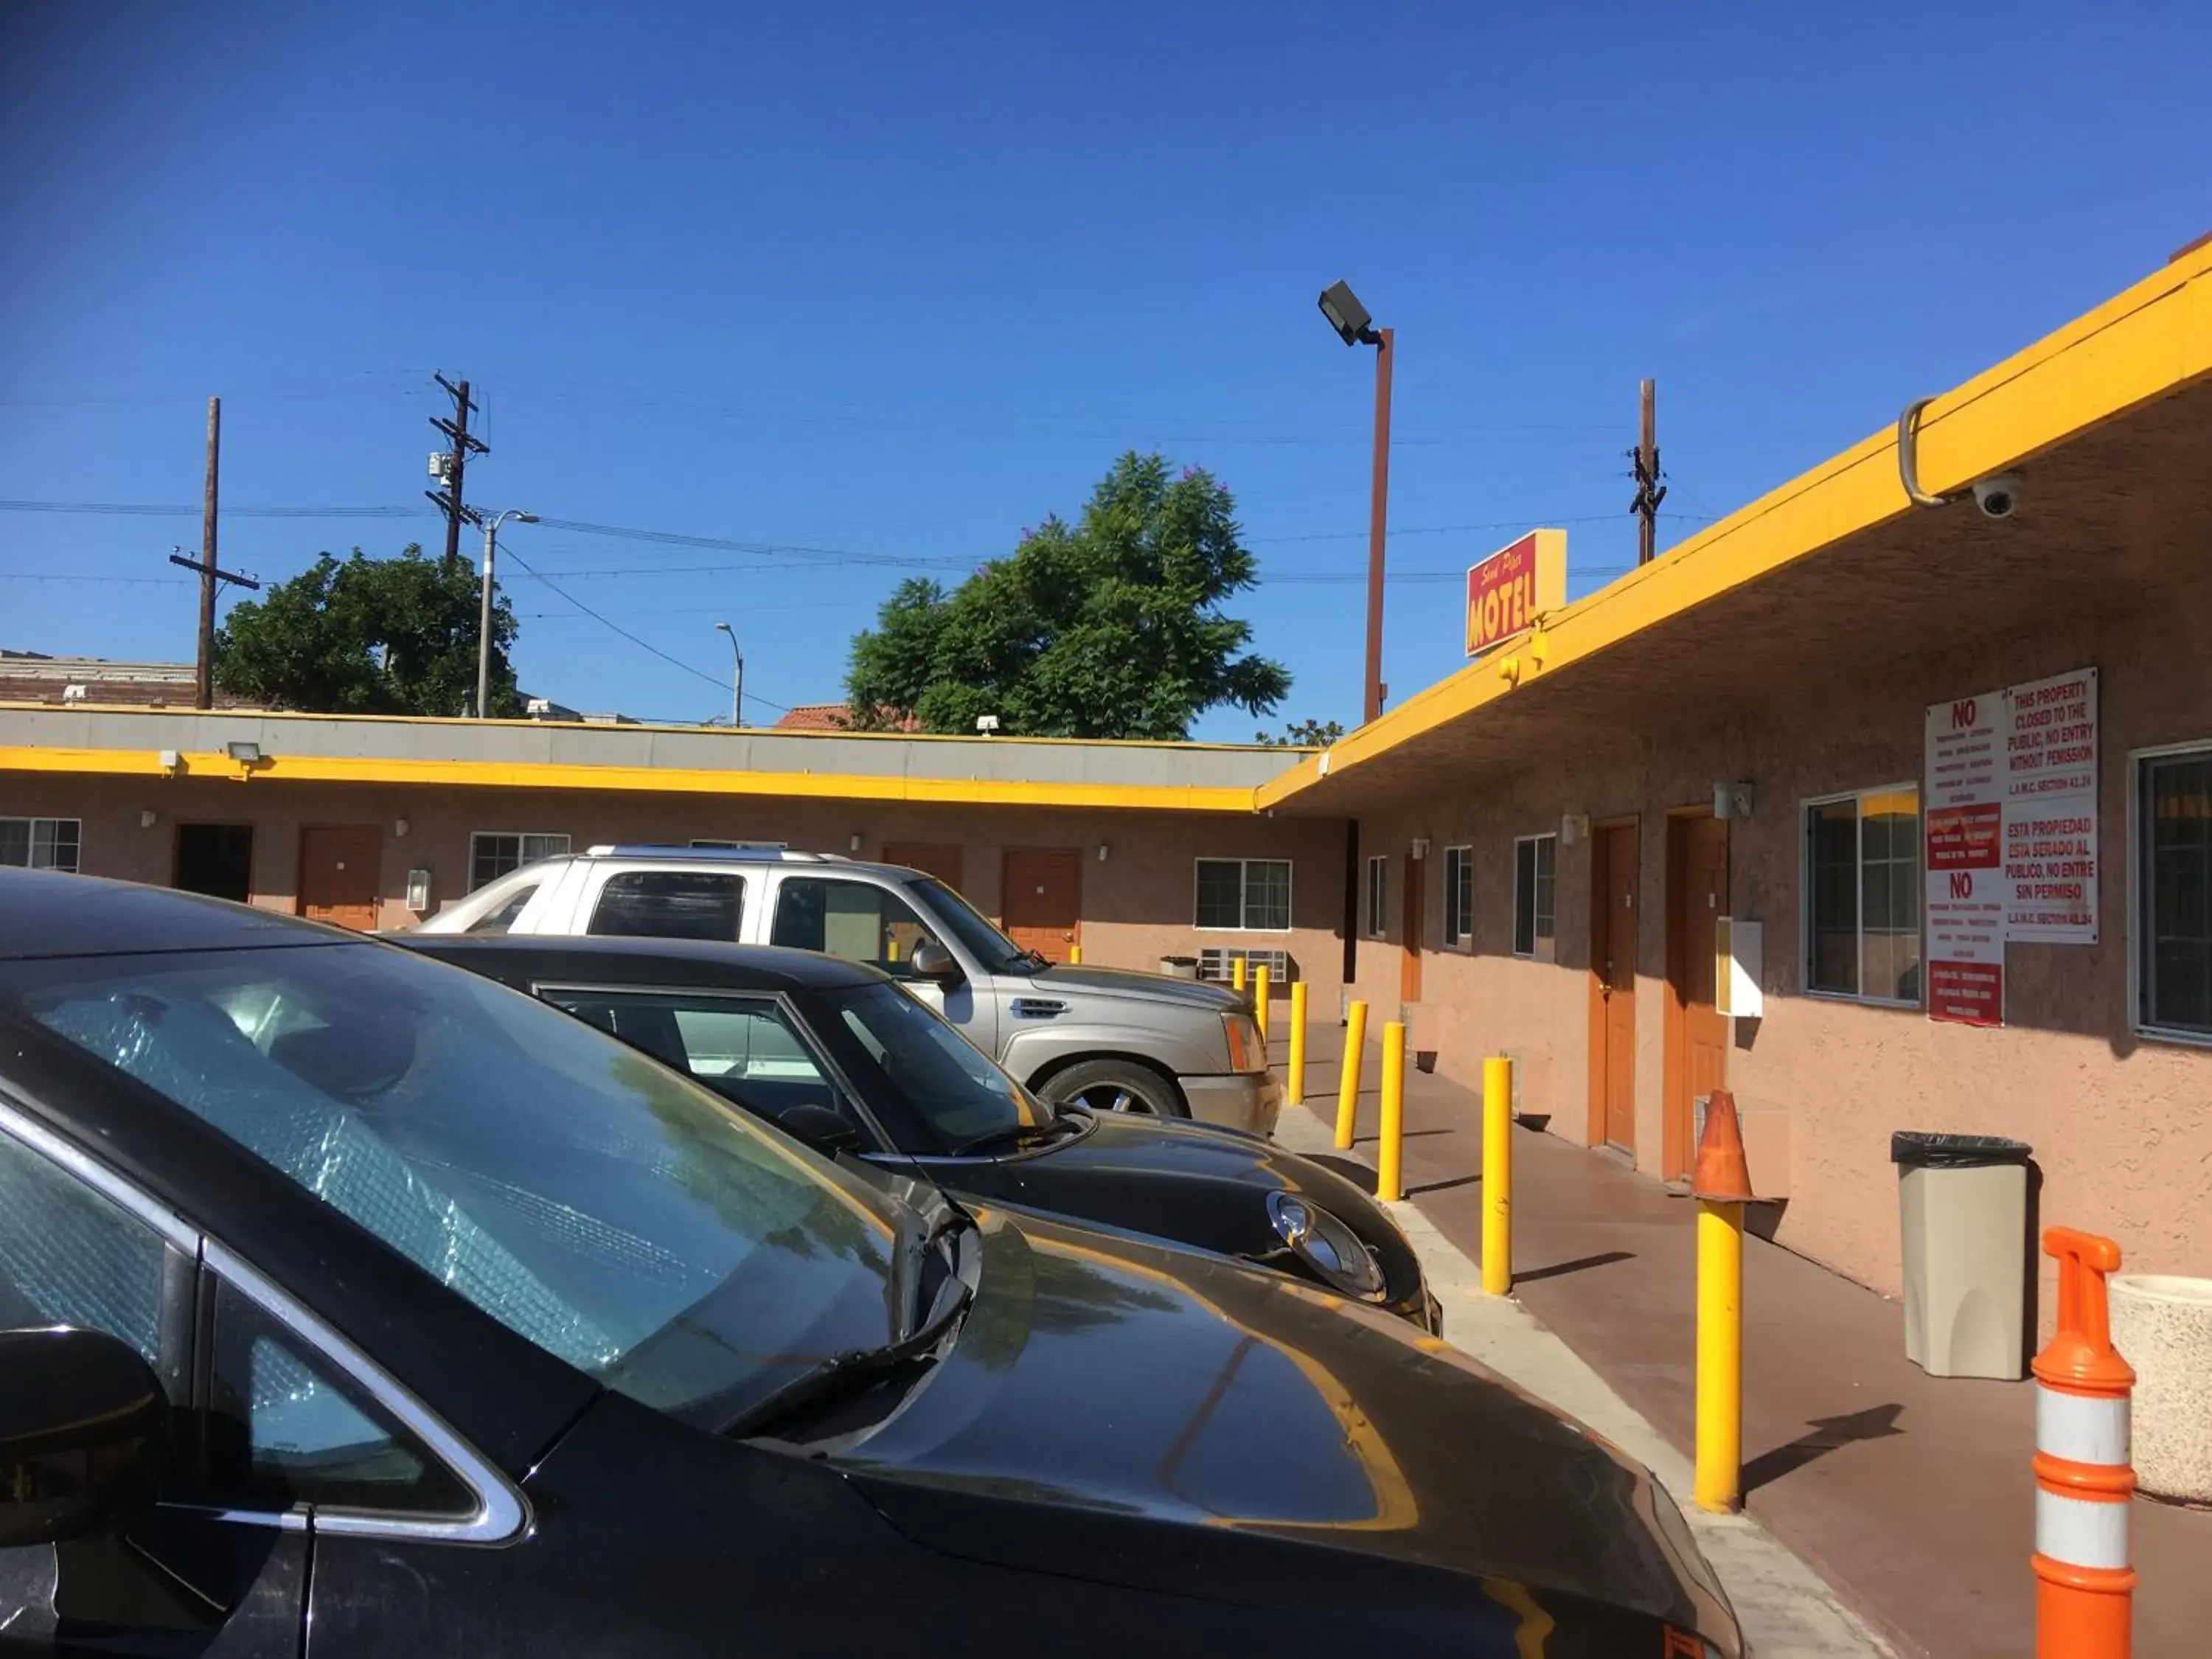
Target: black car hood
{"points": [[1187, 1422]]}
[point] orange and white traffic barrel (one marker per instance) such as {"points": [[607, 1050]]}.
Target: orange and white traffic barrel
{"points": [[2084, 1587]]}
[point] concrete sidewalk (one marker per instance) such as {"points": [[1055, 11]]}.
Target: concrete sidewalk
{"points": [[1910, 1495]]}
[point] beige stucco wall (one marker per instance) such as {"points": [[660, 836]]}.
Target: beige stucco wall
{"points": [[2121, 1124], [1136, 903]]}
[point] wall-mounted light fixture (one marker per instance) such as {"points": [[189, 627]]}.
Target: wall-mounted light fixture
{"points": [[1733, 801], [246, 754], [1574, 828], [1102, 850], [148, 817], [856, 841], [1421, 847], [399, 827]]}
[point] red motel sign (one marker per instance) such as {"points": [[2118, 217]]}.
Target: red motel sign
{"points": [[1510, 590]]}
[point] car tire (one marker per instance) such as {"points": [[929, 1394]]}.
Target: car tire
{"points": [[1114, 1085]]}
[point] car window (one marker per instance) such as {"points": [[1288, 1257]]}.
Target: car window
{"points": [[610, 1210], [670, 904], [285, 1429], [947, 1090], [746, 1047], [502, 919], [70, 1256], [998, 953], [855, 920]]}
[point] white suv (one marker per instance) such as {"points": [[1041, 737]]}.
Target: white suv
{"points": [[1107, 1038]]}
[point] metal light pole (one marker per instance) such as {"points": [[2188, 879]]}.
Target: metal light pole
{"points": [[1351, 319], [736, 676], [483, 616]]}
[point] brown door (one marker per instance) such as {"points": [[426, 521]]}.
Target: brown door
{"points": [[1042, 899], [940, 861], [1613, 987], [1697, 1034], [1409, 971], [338, 874]]}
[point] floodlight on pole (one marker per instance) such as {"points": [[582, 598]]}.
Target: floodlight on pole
{"points": [[1352, 321], [737, 676]]}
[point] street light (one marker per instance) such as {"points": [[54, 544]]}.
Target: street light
{"points": [[483, 616], [1351, 319], [737, 676]]}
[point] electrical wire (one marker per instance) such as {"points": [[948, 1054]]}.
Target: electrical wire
{"points": [[714, 680], [141, 509]]}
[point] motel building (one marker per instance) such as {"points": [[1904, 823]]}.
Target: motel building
{"points": [[1882, 815]]}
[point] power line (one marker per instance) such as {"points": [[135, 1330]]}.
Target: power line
{"points": [[714, 680], [141, 509]]}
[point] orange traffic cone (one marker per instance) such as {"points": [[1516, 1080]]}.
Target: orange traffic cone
{"points": [[1721, 1177]]}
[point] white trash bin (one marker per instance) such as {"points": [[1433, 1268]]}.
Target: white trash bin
{"points": [[1962, 1213]]}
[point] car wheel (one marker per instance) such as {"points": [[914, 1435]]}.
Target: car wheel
{"points": [[1114, 1085]]}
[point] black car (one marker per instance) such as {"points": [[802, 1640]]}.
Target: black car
{"points": [[350, 1303], [836, 1052]]}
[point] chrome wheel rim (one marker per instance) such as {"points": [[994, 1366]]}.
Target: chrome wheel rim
{"points": [[1111, 1097]]}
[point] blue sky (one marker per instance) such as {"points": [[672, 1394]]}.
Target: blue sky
{"points": [[899, 280]]}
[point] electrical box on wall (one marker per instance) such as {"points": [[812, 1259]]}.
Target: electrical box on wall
{"points": [[1739, 952], [418, 890]]}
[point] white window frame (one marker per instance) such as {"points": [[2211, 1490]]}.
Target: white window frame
{"points": [[1805, 941], [2137, 874], [1244, 895], [1536, 950], [76, 864], [1458, 938], [1376, 898], [522, 838]]}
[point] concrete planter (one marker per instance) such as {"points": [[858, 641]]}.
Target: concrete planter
{"points": [[2162, 1326]]}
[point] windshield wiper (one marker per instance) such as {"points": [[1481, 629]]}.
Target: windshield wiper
{"points": [[1012, 1134], [856, 1367]]}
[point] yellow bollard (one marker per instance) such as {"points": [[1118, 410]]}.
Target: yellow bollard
{"points": [[1075, 953], [1497, 1176], [1390, 1178], [1720, 1184], [1260, 1000], [1720, 1355], [1236, 973], [1348, 1090], [1294, 1078]]}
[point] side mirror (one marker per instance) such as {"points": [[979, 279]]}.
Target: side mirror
{"points": [[84, 1432], [825, 1131], [932, 962]]}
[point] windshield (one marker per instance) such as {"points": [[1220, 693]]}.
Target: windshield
{"points": [[905, 1060], [611, 1211], [998, 953]]}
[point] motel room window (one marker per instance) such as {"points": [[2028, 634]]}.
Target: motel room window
{"points": [[1535, 882], [1378, 895], [1252, 895], [1459, 895], [40, 843], [493, 853], [1863, 896], [2174, 813]]}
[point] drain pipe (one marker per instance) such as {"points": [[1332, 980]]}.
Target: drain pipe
{"points": [[1908, 466]]}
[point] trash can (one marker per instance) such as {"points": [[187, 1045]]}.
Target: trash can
{"points": [[1179, 967], [1962, 1208]]}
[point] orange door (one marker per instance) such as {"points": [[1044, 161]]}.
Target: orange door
{"points": [[940, 861], [1697, 1033], [1041, 900], [1613, 984], [339, 874], [1409, 971]]}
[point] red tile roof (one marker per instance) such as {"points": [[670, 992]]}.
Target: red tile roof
{"points": [[830, 717]]}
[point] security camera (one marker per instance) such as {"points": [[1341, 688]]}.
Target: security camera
{"points": [[1997, 496]]}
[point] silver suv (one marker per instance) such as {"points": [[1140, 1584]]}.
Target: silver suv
{"points": [[1106, 1038]]}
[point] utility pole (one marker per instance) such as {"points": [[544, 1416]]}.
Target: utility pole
{"points": [[1650, 492], [450, 468], [483, 615], [1379, 508], [211, 573]]}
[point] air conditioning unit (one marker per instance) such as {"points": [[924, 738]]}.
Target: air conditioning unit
{"points": [[1214, 963]]}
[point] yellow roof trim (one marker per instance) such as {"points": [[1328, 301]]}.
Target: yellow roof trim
{"points": [[2149, 341], [640, 779]]}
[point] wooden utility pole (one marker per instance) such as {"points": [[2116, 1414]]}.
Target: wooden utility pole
{"points": [[1650, 492], [1378, 513], [211, 573], [205, 697], [450, 499]]}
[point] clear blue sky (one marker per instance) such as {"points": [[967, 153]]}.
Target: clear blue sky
{"points": [[901, 280]]}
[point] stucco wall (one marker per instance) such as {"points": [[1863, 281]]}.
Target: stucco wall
{"points": [[2121, 1124], [1137, 903]]}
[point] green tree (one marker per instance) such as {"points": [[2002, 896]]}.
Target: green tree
{"points": [[368, 637], [1302, 734], [1111, 627]]}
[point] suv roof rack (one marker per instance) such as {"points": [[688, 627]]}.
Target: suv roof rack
{"points": [[742, 851]]}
